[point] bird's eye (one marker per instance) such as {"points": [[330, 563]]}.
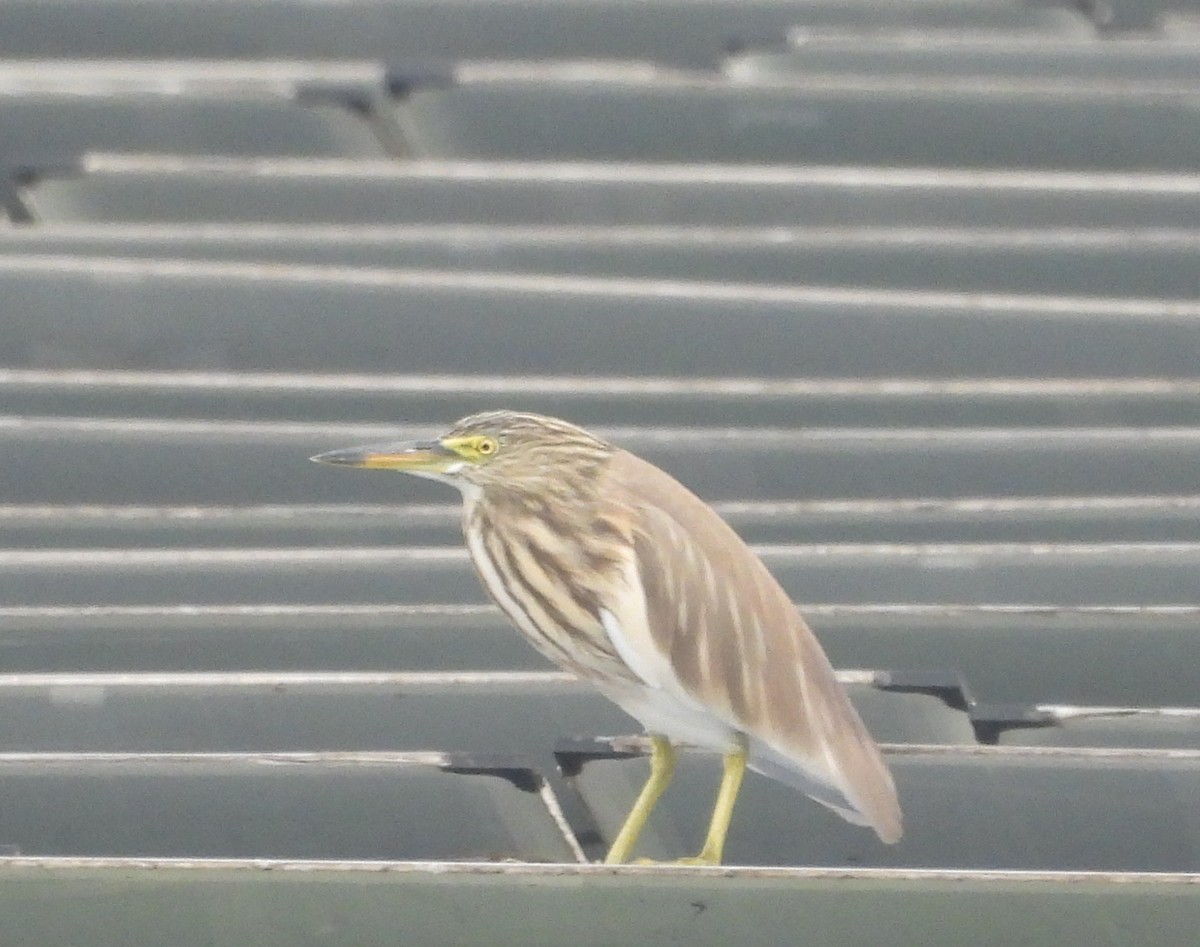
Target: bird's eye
{"points": [[486, 446]]}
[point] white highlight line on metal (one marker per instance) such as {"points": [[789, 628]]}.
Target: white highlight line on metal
{"points": [[977, 750], [284, 610], [104, 76], [936, 555], [554, 874], [1055, 45], [650, 76], [323, 757], [298, 513], [268, 80], [611, 386], [1073, 712], [201, 558], [285, 679], [1060, 438], [954, 505], [1130, 240], [550, 801], [435, 610], [69, 680], [302, 514], [1017, 752], [919, 610], [631, 743], [116, 515], [647, 79], [849, 298], [740, 176], [950, 555]]}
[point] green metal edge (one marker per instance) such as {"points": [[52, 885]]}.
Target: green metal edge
{"points": [[101, 902]]}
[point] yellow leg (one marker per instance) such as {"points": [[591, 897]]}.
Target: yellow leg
{"points": [[718, 827], [662, 766]]}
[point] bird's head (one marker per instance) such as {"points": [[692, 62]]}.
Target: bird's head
{"points": [[496, 449]]}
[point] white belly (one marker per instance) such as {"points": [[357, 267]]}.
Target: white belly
{"points": [[680, 721]]}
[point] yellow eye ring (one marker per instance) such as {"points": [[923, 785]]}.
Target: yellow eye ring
{"points": [[486, 446]]}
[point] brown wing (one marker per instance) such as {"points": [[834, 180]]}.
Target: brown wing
{"points": [[736, 643]]}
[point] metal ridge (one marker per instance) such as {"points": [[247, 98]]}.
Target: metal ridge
{"points": [[531, 871], [638, 387]]}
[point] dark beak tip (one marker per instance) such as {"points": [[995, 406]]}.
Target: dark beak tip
{"points": [[343, 458], [371, 455]]}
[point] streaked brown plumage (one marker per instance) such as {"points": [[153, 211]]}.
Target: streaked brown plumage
{"points": [[620, 574]]}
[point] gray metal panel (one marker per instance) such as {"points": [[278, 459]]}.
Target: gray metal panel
{"points": [[1017, 573], [1117, 262], [170, 188], [59, 127], [669, 30], [304, 805], [200, 463], [508, 713], [278, 637], [645, 400], [1005, 808], [1125, 655], [82, 312], [517, 714], [1128, 655], [925, 520], [971, 57], [1168, 728], [882, 121]]}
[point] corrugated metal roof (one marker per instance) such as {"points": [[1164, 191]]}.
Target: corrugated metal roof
{"points": [[908, 291]]}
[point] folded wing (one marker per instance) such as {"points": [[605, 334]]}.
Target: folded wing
{"points": [[703, 609]]}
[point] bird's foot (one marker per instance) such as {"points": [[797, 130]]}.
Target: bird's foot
{"points": [[700, 859]]}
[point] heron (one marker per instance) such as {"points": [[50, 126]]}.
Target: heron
{"points": [[620, 574]]}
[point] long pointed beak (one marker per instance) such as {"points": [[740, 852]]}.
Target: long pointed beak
{"points": [[408, 456]]}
